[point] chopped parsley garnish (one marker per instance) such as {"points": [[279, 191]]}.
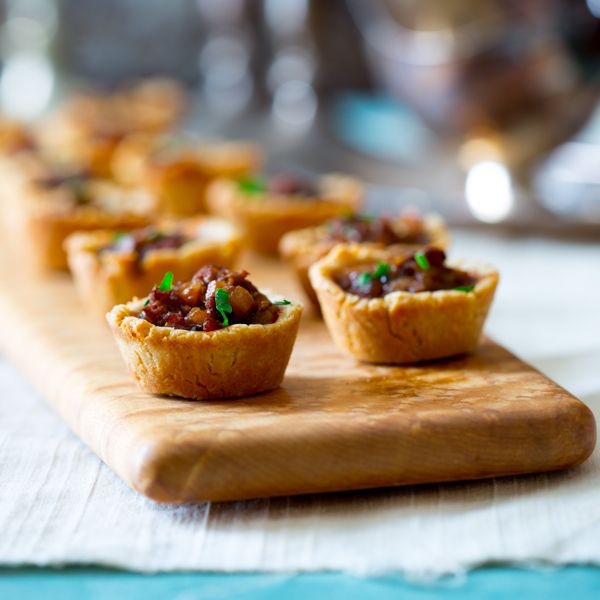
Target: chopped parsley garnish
{"points": [[79, 189], [421, 260], [382, 270], [252, 186], [222, 304], [118, 236], [167, 283], [464, 288], [282, 302], [364, 279], [154, 235], [147, 302]]}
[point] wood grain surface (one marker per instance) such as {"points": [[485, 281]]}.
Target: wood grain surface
{"points": [[334, 424]]}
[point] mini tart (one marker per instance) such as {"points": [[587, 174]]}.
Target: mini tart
{"points": [[38, 220], [303, 247], [264, 218], [238, 360], [178, 174], [106, 278], [401, 327], [86, 130]]}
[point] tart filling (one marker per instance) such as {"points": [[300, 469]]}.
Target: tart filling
{"points": [[383, 307], [410, 228], [112, 267], [141, 242], [422, 271], [291, 186], [267, 208], [404, 231], [215, 336], [214, 298]]}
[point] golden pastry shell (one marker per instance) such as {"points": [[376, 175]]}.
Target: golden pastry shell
{"points": [[401, 327], [235, 361]]}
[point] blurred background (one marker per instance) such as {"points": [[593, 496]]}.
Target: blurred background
{"points": [[486, 110]]}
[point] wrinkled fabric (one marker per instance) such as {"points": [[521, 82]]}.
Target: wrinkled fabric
{"points": [[59, 504]]}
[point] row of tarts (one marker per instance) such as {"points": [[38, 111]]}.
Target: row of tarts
{"points": [[151, 223]]}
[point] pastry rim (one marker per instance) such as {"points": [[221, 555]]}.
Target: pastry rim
{"points": [[345, 255], [123, 315], [89, 242], [301, 243], [334, 190]]}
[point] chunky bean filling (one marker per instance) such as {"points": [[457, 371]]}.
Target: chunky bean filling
{"points": [[215, 298], [143, 241], [76, 182], [282, 184], [408, 229], [421, 271]]}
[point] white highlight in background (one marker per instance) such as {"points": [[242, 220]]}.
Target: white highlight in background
{"points": [[488, 190], [26, 85]]}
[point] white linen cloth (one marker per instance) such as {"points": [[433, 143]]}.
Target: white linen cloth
{"points": [[59, 504]]}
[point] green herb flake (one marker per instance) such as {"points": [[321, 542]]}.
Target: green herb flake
{"points": [[154, 235], [222, 304], [364, 279], [464, 288], [382, 270], [421, 260], [167, 283], [147, 302], [282, 302], [253, 186]]}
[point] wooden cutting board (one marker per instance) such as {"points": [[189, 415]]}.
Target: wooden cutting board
{"points": [[334, 424]]}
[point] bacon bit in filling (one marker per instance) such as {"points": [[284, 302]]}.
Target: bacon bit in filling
{"points": [[421, 271], [215, 298]]}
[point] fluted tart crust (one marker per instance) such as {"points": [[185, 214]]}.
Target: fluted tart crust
{"points": [[106, 273], [401, 327], [264, 217]]}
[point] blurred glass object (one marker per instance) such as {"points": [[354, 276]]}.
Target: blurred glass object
{"points": [[295, 106], [292, 68], [286, 18], [222, 12], [568, 182], [523, 75], [111, 41], [28, 78], [227, 82]]}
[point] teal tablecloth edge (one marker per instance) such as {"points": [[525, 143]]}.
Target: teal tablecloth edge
{"points": [[493, 583]]}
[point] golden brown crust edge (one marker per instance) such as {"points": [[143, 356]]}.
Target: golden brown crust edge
{"points": [[105, 282], [401, 328], [303, 247], [38, 237], [235, 361], [265, 220]]}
